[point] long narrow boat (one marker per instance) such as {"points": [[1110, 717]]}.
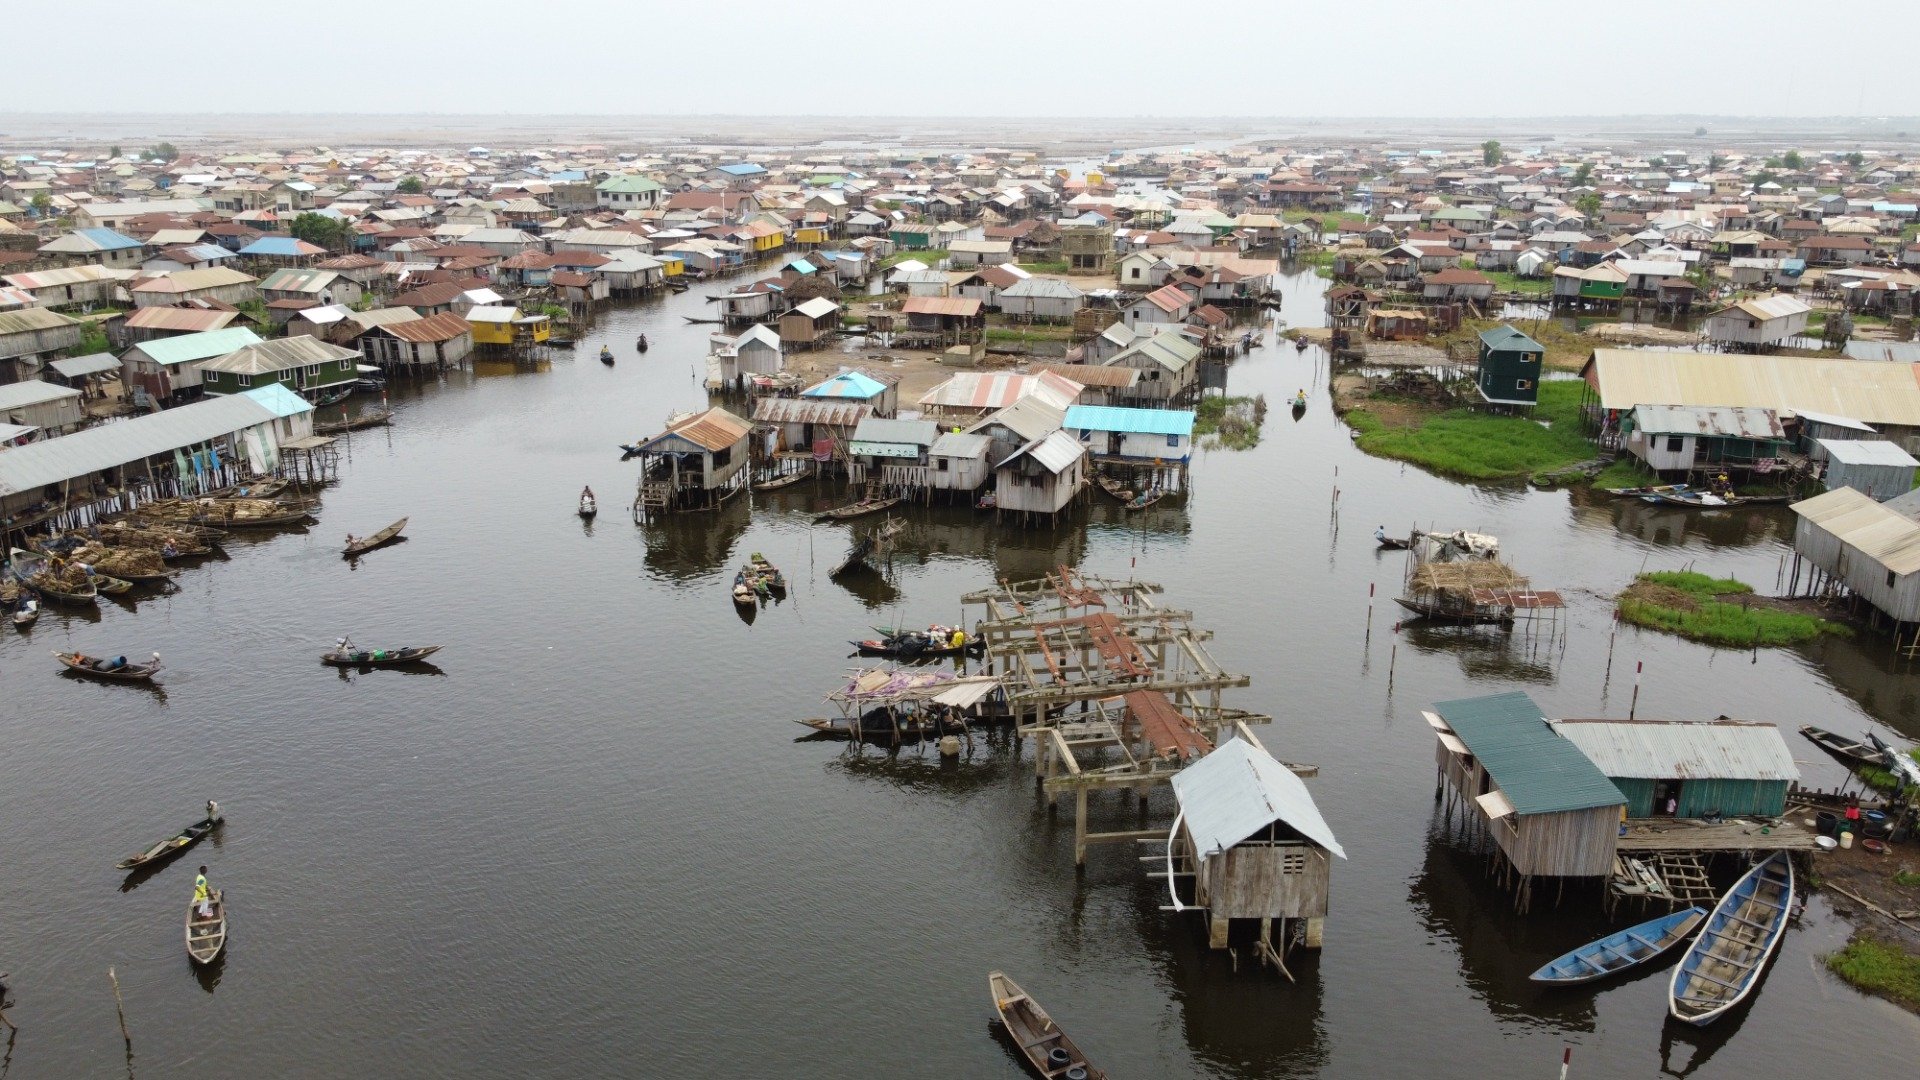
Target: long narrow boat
{"points": [[1617, 952], [357, 548], [115, 669], [378, 657], [1127, 496], [859, 509], [1725, 962], [788, 480], [1048, 1049], [1847, 750], [376, 418], [171, 846], [1706, 500], [270, 521], [1649, 489], [25, 614], [1465, 616], [207, 936], [112, 586]]}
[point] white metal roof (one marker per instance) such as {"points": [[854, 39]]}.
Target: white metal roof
{"points": [[1867, 452], [1238, 790], [1733, 423], [1054, 452], [34, 466], [1885, 536], [33, 392], [1682, 750]]}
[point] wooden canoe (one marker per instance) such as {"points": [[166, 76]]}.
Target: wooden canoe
{"points": [[1725, 962], [1048, 1049], [271, 521], [171, 846], [264, 489], [1847, 750], [376, 418], [1618, 952], [1395, 543], [30, 569], [207, 937], [85, 665], [25, 615], [378, 657], [1474, 616], [110, 585], [859, 509], [1127, 496], [380, 539], [788, 480]]}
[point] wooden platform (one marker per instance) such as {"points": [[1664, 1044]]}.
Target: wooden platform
{"points": [[1669, 834]]}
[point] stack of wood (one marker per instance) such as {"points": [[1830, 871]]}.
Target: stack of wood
{"points": [[123, 562], [1461, 578], [63, 577]]}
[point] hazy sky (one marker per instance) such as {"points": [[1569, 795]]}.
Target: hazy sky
{"points": [[979, 58]]}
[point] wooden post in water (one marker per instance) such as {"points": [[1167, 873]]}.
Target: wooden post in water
{"points": [[1634, 706], [120, 1007]]}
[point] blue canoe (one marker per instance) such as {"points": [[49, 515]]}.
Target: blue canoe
{"points": [[1617, 952], [1724, 963]]}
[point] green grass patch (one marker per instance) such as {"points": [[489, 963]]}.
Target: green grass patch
{"points": [[1879, 968], [1693, 606], [1046, 266], [1028, 332], [1230, 423], [1510, 282], [1906, 879], [1482, 446], [1330, 220], [930, 257], [1626, 472]]}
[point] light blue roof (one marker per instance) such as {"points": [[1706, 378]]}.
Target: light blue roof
{"points": [[1135, 421], [743, 169], [201, 346], [272, 245], [847, 384], [279, 400], [108, 239]]}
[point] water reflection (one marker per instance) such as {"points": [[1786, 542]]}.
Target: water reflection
{"points": [[1671, 526], [1700, 1043], [209, 975], [1866, 668], [692, 546], [1493, 653]]}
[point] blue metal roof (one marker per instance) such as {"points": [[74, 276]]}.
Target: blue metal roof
{"points": [[108, 239], [273, 245], [847, 384], [279, 400], [1538, 770], [1135, 421], [743, 169]]}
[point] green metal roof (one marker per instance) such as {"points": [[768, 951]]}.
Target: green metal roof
{"points": [[1506, 339], [201, 346], [1539, 771]]}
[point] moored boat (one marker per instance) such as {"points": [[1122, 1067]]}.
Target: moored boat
{"points": [[207, 935], [1847, 750], [785, 481], [859, 509], [1047, 1048], [1129, 497], [1620, 951], [1649, 489], [588, 507], [172, 845], [1902, 765], [1466, 615], [357, 546], [25, 613], [114, 668], [1727, 959], [66, 587], [606, 356], [935, 642]]}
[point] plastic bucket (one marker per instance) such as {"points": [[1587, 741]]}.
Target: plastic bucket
{"points": [[1846, 840], [1827, 822]]}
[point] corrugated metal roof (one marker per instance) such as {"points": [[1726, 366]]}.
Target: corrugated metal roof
{"points": [[33, 320], [817, 308], [187, 348], [999, 389], [1898, 352], [1540, 772], [1054, 452], [875, 429], [33, 392], [957, 306], [1834, 421], [296, 279], [1030, 418], [73, 367], [190, 320], [34, 466], [1732, 423], [715, 429], [1867, 452], [1768, 307], [1885, 536], [1873, 393], [834, 413], [446, 326], [281, 246], [1094, 374], [1043, 288], [960, 445], [1138, 421], [1683, 750], [66, 275], [278, 354], [181, 281], [1237, 790], [1171, 349]]}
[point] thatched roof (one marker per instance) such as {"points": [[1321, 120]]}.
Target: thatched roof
{"points": [[1465, 574]]}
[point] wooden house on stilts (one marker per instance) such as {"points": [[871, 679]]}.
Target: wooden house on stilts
{"points": [[1548, 810], [697, 463], [1255, 849]]}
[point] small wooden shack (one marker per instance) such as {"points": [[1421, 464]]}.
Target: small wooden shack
{"points": [[1041, 477], [1728, 768], [1254, 843], [810, 324], [1548, 810], [697, 463]]}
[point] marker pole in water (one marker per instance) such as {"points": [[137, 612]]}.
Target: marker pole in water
{"points": [[1566, 1062], [1392, 655], [1370, 587], [1634, 707], [1612, 630]]}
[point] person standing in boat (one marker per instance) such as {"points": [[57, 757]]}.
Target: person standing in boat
{"points": [[202, 895], [213, 811]]}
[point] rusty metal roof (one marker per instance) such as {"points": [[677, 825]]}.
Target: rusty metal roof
{"points": [[446, 326], [715, 429], [962, 306], [1725, 422], [835, 413]]}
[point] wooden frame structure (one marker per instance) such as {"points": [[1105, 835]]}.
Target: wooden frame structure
{"points": [[1117, 691]]}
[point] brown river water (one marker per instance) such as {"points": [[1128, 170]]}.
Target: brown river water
{"points": [[588, 843]]}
